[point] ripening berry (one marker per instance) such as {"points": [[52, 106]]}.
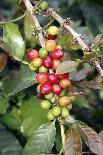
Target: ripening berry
{"points": [[46, 88], [53, 30], [56, 63], [43, 69], [53, 79], [42, 77], [65, 112], [56, 110], [44, 5], [31, 67], [63, 76], [50, 45], [47, 62], [43, 53], [65, 83], [64, 101], [37, 62], [57, 54], [49, 96], [58, 46], [32, 54], [56, 89], [45, 104], [50, 115]]}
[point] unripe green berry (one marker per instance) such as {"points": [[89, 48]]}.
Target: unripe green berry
{"points": [[69, 106], [31, 67], [50, 115], [63, 92], [43, 69], [65, 112], [49, 96], [38, 88], [53, 30], [44, 6], [56, 110], [72, 98], [43, 53], [45, 104]]}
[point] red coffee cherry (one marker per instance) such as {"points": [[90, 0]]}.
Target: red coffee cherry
{"points": [[57, 89], [56, 63], [57, 54], [32, 54], [46, 88], [51, 37], [42, 77], [63, 76], [65, 83], [47, 62], [53, 79]]}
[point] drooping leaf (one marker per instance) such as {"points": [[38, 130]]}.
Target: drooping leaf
{"points": [[9, 145], [90, 84], [42, 140], [92, 139], [3, 105], [33, 116], [13, 38], [21, 80], [67, 66], [73, 144]]}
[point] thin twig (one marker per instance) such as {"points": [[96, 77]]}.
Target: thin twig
{"points": [[75, 35], [29, 8]]}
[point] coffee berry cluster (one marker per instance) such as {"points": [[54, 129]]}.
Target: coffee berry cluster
{"points": [[51, 85]]}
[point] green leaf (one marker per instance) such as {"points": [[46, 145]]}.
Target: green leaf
{"points": [[20, 80], [10, 121], [28, 29], [9, 145], [66, 42], [41, 141], [12, 37], [92, 139], [67, 66], [73, 144], [33, 116], [3, 105]]}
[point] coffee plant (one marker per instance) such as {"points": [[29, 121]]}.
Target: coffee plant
{"points": [[46, 63]]}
